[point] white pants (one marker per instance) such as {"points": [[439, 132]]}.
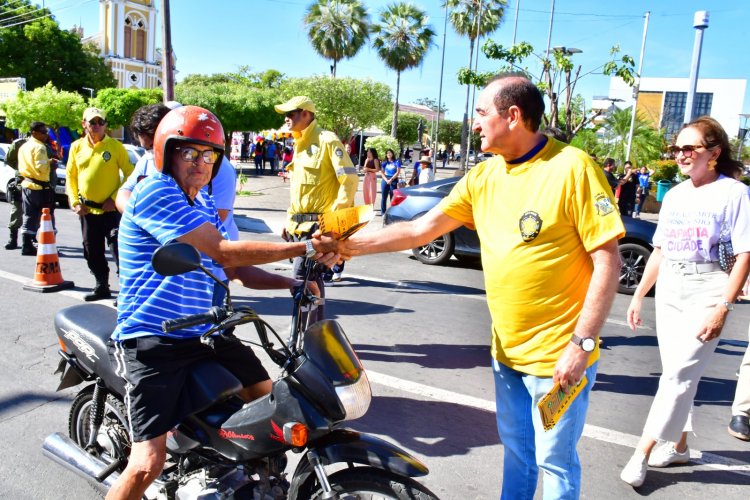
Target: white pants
{"points": [[741, 405], [683, 301]]}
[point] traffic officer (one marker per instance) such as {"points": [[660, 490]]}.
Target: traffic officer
{"points": [[323, 178], [94, 176], [38, 192], [13, 194]]}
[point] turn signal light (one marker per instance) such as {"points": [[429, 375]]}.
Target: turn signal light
{"points": [[295, 433], [62, 345]]}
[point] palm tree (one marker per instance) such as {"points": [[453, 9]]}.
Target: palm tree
{"points": [[473, 18], [337, 28], [648, 143], [402, 38]]}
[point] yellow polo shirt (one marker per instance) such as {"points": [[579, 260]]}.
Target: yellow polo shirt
{"points": [[93, 171], [323, 178], [33, 163], [537, 222]]}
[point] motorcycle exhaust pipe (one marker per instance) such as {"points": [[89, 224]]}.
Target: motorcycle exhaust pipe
{"points": [[67, 453]]}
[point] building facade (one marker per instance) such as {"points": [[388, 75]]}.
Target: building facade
{"points": [[661, 101]]}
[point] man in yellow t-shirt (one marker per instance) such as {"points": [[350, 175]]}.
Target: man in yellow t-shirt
{"points": [[323, 178], [37, 192], [548, 229], [97, 165]]}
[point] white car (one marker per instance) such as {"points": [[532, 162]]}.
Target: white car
{"points": [[134, 153], [6, 173]]}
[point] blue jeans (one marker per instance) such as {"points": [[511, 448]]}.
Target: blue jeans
{"points": [[527, 446], [386, 191]]}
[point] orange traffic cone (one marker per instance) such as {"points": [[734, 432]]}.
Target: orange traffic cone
{"points": [[48, 277]]}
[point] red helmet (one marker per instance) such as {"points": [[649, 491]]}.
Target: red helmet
{"points": [[188, 124]]}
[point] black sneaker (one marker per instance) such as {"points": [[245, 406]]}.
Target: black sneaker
{"points": [[98, 293], [739, 427]]}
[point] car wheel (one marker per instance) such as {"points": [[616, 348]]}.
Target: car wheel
{"points": [[634, 258], [438, 251]]}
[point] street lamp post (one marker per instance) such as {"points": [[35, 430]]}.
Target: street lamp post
{"points": [[91, 91], [742, 134], [636, 88], [700, 23]]}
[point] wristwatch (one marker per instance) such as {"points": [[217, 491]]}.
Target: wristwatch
{"points": [[587, 344], [728, 305], [309, 250]]}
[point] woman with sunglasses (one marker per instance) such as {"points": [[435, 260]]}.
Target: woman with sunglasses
{"points": [[694, 295]]}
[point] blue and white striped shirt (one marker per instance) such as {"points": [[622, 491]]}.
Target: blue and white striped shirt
{"points": [[158, 213]]}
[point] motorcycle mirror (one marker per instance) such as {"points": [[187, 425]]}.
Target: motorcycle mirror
{"points": [[175, 258]]}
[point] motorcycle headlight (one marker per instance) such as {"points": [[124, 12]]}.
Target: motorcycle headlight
{"points": [[355, 397]]}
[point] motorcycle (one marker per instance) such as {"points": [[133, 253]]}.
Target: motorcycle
{"points": [[227, 448]]}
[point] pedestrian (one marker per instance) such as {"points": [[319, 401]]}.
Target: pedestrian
{"points": [[288, 156], [14, 194], [644, 185], [739, 425], [551, 267], [323, 178], [628, 186], [426, 172], [370, 180], [38, 193], [390, 170], [271, 155], [445, 158], [257, 152], [694, 295], [96, 164], [609, 166], [173, 205]]}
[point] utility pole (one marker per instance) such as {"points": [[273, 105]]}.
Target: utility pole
{"points": [[440, 90], [166, 56], [637, 86], [700, 23]]}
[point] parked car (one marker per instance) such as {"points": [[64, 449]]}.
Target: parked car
{"points": [[412, 202], [134, 153], [6, 173]]}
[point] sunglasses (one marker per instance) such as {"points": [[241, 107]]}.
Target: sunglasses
{"points": [[291, 113], [96, 122], [191, 154], [687, 151]]}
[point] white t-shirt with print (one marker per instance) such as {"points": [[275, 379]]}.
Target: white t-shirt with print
{"points": [[690, 220]]}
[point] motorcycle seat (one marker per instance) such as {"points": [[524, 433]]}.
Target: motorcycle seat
{"points": [[86, 329]]}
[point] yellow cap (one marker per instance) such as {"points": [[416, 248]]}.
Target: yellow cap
{"points": [[92, 113], [297, 102]]}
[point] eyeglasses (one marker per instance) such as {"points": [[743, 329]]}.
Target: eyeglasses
{"points": [[96, 122], [291, 113], [191, 154], [687, 151], [42, 131]]}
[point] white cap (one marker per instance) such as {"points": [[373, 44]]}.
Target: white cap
{"points": [[173, 104]]}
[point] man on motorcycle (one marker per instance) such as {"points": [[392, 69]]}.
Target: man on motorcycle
{"points": [[172, 205]]}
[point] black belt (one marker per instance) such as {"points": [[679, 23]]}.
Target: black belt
{"points": [[89, 203], [41, 183], [305, 217]]}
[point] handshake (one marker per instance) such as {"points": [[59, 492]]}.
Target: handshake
{"points": [[331, 248]]}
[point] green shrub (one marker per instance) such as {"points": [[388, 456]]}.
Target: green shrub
{"points": [[664, 170], [381, 143]]}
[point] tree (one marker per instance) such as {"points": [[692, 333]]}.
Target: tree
{"points": [[237, 106], [382, 143], [402, 38], [120, 104], [344, 105], [47, 104], [34, 47], [648, 144], [449, 133], [268, 79], [472, 19], [406, 131], [432, 104], [337, 29]]}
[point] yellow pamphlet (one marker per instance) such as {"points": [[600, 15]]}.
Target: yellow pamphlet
{"points": [[555, 402], [347, 221]]}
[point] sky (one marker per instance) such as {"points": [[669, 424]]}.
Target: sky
{"points": [[220, 35]]}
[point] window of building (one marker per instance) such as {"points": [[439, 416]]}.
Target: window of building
{"points": [[673, 115], [135, 37]]}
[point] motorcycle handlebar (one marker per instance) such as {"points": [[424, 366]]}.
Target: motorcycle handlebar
{"points": [[213, 315]]}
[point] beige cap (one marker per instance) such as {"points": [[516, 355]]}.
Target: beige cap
{"points": [[425, 159], [297, 102], [92, 113]]}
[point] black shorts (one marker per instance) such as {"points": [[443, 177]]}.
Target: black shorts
{"points": [[155, 369]]}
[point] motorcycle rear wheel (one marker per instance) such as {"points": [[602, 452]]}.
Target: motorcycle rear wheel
{"points": [[369, 483], [114, 425]]}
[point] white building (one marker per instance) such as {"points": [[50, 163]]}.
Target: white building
{"points": [[661, 101]]}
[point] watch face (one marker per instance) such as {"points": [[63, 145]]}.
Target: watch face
{"points": [[588, 345]]}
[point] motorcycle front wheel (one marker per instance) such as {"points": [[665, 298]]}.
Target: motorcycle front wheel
{"points": [[368, 483], [112, 440]]}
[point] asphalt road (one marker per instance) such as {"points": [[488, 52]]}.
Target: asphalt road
{"points": [[423, 335]]}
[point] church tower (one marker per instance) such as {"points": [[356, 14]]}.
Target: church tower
{"points": [[127, 42]]}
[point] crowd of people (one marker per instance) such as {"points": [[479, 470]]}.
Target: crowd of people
{"points": [[545, 325]]}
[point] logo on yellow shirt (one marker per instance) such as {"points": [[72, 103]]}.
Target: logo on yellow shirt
{"points": [[604, 205], [530, 224], [107, 155]]}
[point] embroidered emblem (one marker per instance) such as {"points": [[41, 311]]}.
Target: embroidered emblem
{"points": [[106, 156], [530, 224], [339, 153], [604, 205]]}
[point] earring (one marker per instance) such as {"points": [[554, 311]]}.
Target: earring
{"points": [[711, 164]]}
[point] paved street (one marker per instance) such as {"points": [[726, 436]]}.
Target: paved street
{"points": [[423, 335]]}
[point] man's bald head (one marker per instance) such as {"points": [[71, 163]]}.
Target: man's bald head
{"points": [[512, 89]]}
